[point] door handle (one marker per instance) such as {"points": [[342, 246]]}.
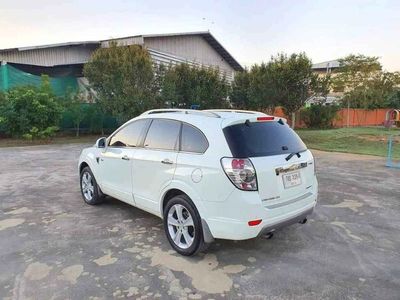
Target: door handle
{"points": [[125, 157], [167, 161]]}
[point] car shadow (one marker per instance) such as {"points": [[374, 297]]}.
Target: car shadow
{"points": [[289, 240]]}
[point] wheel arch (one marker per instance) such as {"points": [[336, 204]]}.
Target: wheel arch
{"points": [[179, 188], [83, 165], [176, 188]]}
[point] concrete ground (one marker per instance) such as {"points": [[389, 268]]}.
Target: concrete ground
{"points": [[52, 245]]}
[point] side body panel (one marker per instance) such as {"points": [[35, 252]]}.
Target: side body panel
{"points": [[150, 175]]}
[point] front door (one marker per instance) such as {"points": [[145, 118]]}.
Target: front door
{"points": [[116, 173], [115, 162]]}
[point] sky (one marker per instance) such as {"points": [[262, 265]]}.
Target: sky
{"points": [[251, 31]]}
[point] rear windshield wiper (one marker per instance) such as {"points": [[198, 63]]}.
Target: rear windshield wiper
{"points": [[293, 154]]}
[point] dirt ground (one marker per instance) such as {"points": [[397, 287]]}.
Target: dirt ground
{"points": [[53, 246]]}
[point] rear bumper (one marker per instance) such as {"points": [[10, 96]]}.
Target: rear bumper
{"points": [[286, 222], [231, 217]]}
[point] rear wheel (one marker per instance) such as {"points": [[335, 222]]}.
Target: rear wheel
{"points": [[182, 225], [90, 190]]}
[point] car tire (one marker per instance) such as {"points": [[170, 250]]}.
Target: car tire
{"points": [[182, 224], [90, 191]]}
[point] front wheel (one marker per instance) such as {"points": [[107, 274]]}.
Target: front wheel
{"points": [[182, 225], [90, 190]]}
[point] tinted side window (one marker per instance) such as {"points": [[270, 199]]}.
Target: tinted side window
{"points": [[163, 134], [193, 140], [129, 135]]}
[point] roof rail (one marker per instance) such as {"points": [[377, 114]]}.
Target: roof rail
{"points": [[184, 111], [235, 111]]}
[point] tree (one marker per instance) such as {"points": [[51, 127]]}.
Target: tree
{"points": [[262, 92], [240, 89], [321, 86], [29, 109], [75, 107], [292, 80], [251, 89], [95, 117], [123, 78], [185, 85], [393, 100], [354, 71], [364, 83]]}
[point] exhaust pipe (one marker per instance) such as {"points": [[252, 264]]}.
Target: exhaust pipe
{"points": [[303, 221], [269, 235]]}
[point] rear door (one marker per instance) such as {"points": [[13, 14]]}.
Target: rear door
{"points": [[284, 166], [154, 164]]}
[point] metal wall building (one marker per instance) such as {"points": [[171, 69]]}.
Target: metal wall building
{"points": [[67, 59]]}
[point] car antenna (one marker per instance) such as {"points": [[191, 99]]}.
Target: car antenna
{"points": [[247, 123]]}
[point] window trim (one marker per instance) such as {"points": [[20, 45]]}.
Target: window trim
{"points": [[145, 131]]}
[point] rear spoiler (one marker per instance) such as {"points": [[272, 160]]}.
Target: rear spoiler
{"points": [[253, 119]]}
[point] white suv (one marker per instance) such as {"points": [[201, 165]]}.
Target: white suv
{"points": [[223, 174]]}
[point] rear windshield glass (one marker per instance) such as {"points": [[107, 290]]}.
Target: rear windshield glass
{"points": [[262, 139]]}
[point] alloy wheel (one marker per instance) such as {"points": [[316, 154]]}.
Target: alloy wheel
{"points": [[181, 226], [87, 186]]}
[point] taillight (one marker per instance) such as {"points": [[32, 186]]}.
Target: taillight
{"points": [[241, 172]]}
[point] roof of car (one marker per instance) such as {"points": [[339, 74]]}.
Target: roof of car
{"points": [[204, 118], [210, 113]]}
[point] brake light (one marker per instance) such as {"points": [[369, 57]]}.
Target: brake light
{"points": [[254, 222], [241, 172], [265, 118]]}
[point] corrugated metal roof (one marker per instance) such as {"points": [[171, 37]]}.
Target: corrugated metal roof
{"points": [[205, 34], [331, 64], [51, 46]]}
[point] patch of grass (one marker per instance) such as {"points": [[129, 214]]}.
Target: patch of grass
{"points": [[360, 140], [59, 139]]}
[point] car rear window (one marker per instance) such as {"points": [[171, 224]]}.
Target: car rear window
{"points": [[254, 139]]}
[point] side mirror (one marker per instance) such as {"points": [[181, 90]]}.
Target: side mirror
{"points": [[101, 142]]}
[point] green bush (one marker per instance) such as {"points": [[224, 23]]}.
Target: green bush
{"points": [[393, 100], [28, 107], [2, 118], [35, 133], [319, 116]]}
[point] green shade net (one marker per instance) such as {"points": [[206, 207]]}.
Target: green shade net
{"points": [[11, 77]]}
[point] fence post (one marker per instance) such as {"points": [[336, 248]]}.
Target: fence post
{"points": [[389, 161]]}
